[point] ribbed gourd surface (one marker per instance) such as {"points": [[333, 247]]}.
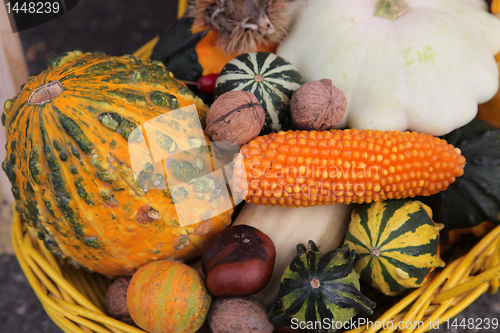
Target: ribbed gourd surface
{"points": [[69, 138]]}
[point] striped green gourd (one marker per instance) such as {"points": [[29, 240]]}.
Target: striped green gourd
{"points": [[396, 244], [68, 137], [319, 287], [271, 78]]}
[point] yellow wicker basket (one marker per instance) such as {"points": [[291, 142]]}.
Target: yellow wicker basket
{"points": [[73, 298]]}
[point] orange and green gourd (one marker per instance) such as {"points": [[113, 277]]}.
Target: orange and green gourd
{"points": [[68, 159], [309, 168], [168, 296]]}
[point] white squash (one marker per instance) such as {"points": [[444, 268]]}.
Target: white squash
{"points": [[288, 227], [425, 71]]}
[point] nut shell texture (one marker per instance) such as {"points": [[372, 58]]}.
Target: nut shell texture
{"points": [[318, 105], [235, 117], [242, 315], [115, 300]]}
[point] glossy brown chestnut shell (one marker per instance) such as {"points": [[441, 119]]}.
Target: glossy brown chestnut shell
{"points": [[238, 261]]}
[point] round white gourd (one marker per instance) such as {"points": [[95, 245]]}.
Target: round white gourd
{"points": [[425, 71]]}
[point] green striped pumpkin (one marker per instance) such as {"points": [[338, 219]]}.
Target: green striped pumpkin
{"points": [[319, 286], [396, 244], [271, 78]]}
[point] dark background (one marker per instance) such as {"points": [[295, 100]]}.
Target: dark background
{"points": [[115, 27], [29, 14]]}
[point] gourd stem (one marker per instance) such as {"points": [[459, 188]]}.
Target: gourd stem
{"points": [[315, 283], [392, 9], [258, 78], [45, 93], [375, 252]]}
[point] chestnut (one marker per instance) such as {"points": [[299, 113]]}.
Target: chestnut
{"points": [[238, 261]]}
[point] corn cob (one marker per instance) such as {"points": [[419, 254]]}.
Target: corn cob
{"points": [[308, 168]]}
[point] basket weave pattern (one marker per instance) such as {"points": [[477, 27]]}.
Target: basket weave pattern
{"points": [[73, 298]]}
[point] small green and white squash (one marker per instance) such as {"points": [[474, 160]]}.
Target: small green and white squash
{"points": [[320, 287], [271, 78], [396, 244]]}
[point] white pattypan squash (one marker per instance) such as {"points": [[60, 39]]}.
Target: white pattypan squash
{"points": [[425, 70]]}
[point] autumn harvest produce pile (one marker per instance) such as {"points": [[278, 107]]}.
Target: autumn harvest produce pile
{"points": [[352, 134]]}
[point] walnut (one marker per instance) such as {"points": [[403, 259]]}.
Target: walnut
{"points": [[318, 105], [115, 300], [242, 315], [235, 117]]}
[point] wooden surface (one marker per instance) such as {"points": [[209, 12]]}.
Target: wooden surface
{"points": [[13, 73]]}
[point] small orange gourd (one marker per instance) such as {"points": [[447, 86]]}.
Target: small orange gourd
{"points": [[168, 296]]}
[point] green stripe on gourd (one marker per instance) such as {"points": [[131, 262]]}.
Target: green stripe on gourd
{"points": [[271, 78], [396, 244], [168, 296], [319, 287]]}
